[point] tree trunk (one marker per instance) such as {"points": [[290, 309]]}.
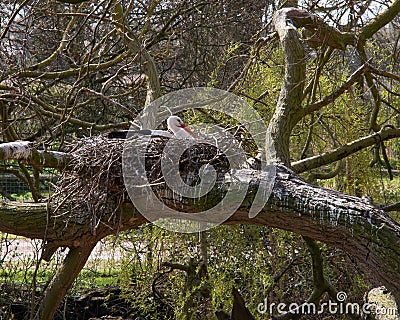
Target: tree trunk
{"points": [[346, 222], [62, 281]]}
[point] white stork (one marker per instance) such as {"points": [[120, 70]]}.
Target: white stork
{"points": [[179, 130]]}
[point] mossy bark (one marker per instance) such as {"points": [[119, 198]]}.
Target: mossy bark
{"points": [[65, 276], [340, 220]]}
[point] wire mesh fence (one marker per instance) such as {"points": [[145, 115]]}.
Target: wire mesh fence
{"points": [[12, 187]]}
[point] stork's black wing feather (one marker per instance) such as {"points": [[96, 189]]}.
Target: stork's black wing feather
{"points": [[123, 134]]}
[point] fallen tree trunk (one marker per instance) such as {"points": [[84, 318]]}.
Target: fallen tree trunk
{"points": [[346, 222]]}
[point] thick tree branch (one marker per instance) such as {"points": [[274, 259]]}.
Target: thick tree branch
{"points": [[345, 222], [289, 102], [344, 151], [66, 274], [320, 30], [289, 111], [321, 283], [23, 150], [379, 22], [392, 207]]}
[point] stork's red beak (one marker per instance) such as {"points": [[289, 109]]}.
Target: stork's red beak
{"points": [[187, 129]]}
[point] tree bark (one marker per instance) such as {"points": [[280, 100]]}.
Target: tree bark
{"points": [[346, 222], [291, 95], [24, 150], [65, 276]]}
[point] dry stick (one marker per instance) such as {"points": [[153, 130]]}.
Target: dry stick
{"points": [[386, 160], [391, 106], [34, 285], [338, 166], [308, 138], [323, 61], [35, 193]]}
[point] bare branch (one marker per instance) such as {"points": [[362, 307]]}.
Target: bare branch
{"points": [[73, 71], [344, 151], [15, 13], [60, 48], [320, 30], [120, 106], [379, 22], [134, 45], [23, 150], [66, 274], [51, 111], [72, 1], [384, 73], [338, 92]]}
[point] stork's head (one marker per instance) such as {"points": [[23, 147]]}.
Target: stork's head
{"points": [[179, 128], [175, 122]]}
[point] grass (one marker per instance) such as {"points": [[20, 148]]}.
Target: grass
{"points": [[18, 267], [88, 279]]}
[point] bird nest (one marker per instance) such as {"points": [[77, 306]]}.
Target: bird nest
{"points": [[93, 186]]}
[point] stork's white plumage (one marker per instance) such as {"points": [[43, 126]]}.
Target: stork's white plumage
{"points": [[179, 128]]}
